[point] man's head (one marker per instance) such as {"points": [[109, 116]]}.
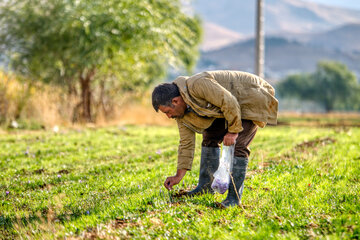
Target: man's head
{"points": [[166, 98]]}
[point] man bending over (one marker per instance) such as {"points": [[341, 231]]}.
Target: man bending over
{"points": [[225, 107]]}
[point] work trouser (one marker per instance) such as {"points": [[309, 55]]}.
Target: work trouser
{"points": [[214, 135]]}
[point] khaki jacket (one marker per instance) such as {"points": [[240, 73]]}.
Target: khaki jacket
{"points": [[232, 95]]}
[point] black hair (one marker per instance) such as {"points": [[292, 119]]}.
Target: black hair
{"points": [[163, 94]]}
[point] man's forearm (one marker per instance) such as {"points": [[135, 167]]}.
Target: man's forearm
{"points": [[180, 173]]}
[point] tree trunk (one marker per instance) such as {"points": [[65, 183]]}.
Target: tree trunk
{"points": [[105, 111], [71, 87], [23, 100], [328, 106], [85, 82]]}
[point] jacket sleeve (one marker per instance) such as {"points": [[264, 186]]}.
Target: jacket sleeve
{"points": [[186, 147], [212, 92]]}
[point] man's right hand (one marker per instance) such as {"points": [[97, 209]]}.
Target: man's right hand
{"points": [[171, 181]]}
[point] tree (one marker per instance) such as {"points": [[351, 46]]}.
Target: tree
{"points": [[332, 85], [297, 85], [82, 44]]}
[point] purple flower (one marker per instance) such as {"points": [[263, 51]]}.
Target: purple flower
{"points": [[87, 212], [122, 128], [7, 192], [59, 176], [27, 152], [158, 151], [80, 181]]}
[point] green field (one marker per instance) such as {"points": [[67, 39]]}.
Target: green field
{"points": [[106, 183]]}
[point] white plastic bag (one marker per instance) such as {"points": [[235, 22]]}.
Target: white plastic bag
{"points": [[222, 175]]}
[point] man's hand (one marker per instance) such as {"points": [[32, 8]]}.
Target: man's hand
{"points": [[171, 181], [230, 138]]}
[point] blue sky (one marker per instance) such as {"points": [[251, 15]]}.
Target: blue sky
{"points": [[352, 4]]}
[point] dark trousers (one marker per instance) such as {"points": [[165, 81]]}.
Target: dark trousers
{"points": [[214, 135]]}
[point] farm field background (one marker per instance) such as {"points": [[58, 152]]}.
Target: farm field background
{"points": [[303, 181]]}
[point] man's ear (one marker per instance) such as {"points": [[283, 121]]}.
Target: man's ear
{"points": [[175, 100]]}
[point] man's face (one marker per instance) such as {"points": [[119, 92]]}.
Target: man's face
{"points": [[177, 110]]}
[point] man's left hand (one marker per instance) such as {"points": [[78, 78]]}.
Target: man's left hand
{"points": [[230, 138]]}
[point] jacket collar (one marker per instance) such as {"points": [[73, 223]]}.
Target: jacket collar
{"points": [[182, 83]]}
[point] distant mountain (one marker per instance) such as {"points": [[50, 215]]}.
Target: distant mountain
{"points": [[292, 16], [216, 37], [282, 57], [299, 35], [344, 38]]}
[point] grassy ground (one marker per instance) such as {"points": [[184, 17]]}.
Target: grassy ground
{"points": [[302, 182]]}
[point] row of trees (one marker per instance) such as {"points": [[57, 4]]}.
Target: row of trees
{"points": [[95, 45], [332, 85], [97, 50]]}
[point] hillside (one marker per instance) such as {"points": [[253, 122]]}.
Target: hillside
{"points": [[299, 35], [345, 38], [216, 37], [282, 57], [294, 16]]}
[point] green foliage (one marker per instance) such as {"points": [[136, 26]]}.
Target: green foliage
{"points": [[298, 85], [134, 40], [88, 44], [336, 83], [105, 183], [332, 85]]}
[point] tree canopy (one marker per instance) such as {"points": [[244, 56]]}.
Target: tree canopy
{"points": [[332, 85], [119, 44]]}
